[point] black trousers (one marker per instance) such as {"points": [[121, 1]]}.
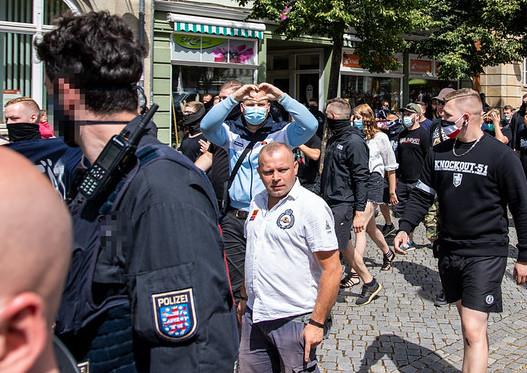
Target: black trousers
{"points": [[234, 240]]}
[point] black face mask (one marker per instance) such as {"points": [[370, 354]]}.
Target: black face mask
{"points": [[337, 125], [192, 121], [235, 113], [23, 131]]}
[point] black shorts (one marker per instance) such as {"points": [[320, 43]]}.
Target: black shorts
{"points": [[475, 280], [404, 190], [343, 215]]}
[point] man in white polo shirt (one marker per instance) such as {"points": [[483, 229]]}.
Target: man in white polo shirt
{"points": [[292, 270]]}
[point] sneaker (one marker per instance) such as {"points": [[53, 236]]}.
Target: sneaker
{"points": [[409, 246], [351, 279], [440, 300], [387, 229], [368, 293], [387, 261]]}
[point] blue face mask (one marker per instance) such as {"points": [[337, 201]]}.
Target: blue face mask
{"points": [[255, 115], [486, 126], [358, 124], [408, 122]]}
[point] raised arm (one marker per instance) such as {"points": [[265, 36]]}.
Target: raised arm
{"points": [[304, 124]]}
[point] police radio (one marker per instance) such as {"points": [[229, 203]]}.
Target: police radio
{"points": [[115, 160]]}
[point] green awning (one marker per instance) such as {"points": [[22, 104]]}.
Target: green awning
{"points": [[216, 26]]}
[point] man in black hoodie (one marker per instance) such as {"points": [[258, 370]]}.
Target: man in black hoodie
{"points": [[343, 186], [475, 177]]}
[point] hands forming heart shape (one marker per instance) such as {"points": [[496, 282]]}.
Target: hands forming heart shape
{"points": [[262, 91]]}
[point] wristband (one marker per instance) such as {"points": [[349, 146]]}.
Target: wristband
{"points": [[316, 323]]}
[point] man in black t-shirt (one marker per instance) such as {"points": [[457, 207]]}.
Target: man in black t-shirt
{"points": [[413, 145], [475, 178], [192, 114]]}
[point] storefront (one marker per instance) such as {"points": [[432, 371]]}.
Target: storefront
{"points": [[359, 86], [207, 52], [423, 83]]}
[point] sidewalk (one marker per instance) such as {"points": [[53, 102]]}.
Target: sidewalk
{"points": [[402, 330]]}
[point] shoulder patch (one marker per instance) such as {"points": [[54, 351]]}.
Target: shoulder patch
{"points": [[286, 219], [175, 315]]}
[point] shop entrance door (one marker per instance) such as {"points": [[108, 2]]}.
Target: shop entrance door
{"points": [[307, 87]]}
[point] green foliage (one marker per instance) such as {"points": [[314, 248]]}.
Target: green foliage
{"points": [[468, 35], [380, 24], [463, 35]]}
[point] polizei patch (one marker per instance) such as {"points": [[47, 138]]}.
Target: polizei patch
{"points": [[175, 316]]}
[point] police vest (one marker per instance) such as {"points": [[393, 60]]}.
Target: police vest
{"points": [[78, 307]]}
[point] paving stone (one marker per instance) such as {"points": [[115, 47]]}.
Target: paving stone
{"points": [[402, 331]]}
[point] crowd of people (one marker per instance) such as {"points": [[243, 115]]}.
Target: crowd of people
{"points": [[228, 254]]}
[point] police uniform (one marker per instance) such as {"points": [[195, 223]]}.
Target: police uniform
{"points": [[148, 289]]}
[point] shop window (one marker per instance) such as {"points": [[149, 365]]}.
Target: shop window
{"points": [[53, 9], [308, 62], [371, 90], [16, 11], [15, 63], [197, 48], [280, 62]]}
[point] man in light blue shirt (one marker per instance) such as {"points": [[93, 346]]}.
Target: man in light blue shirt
{"points": [[253, 125]]}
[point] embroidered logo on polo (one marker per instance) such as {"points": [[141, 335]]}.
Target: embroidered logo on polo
{"points": [[253, 215], [456, 179], [286, 219], [174, 313]]}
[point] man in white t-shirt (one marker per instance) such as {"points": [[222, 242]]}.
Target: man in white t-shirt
{"points": [[292, 270]]}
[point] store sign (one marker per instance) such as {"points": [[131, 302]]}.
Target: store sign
{"points": [[197, 48], [350, 60], [420, 66]]}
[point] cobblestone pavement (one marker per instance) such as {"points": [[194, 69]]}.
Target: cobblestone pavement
{"points": [[402, 330]]}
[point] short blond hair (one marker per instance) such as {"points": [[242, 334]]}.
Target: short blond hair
{"points": [[274, 147], [466, 98], [196, 105], [340, 107], [28, 102]]}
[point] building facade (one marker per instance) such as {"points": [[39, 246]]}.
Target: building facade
{"points": [[195, 46]]}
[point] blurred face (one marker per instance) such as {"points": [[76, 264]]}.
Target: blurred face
{"points": [[507, 113], [278, 171], [18, 113], [207, 98], [440, 106]]}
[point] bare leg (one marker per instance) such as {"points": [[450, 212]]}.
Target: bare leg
{"points": [[376, 234], [475, 339], [355, 254], [385, 211]]}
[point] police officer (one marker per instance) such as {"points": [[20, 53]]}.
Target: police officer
{"points": [[143, 294]]}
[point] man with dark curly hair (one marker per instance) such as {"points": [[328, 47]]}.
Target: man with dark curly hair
{"points": [[142, 295]]}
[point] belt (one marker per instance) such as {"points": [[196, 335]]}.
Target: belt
{"points": [[239, 214]]}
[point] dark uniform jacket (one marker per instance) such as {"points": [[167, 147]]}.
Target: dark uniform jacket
{"points": [[346, 171], [160, 273]]}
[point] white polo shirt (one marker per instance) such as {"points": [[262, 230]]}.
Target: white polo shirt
{"points": [[281, 271]]}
